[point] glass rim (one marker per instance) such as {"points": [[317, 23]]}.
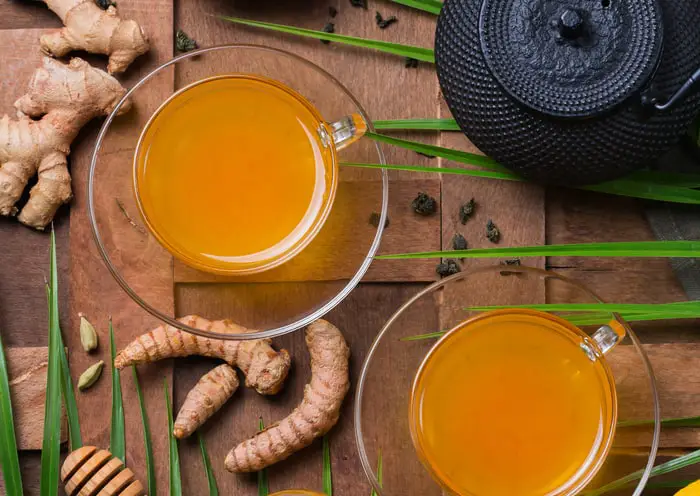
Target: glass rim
{"points": [[359, 390], [275, 331]]}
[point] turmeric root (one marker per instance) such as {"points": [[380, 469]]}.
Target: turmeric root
{"points": [[61, 99], [264, 368], [205, 399], [89, 28], [317, 413]]}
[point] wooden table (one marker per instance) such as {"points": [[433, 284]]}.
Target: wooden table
{"points": [[526, 214]]}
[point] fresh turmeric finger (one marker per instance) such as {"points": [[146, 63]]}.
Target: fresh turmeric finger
{"points": [[317, 413], [204, 399], [265, 369]]}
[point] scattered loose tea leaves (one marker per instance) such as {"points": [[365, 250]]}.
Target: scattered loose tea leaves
{"points": [[384, 23], [359, 3], [88, 336], [105, 4], [374, 219], [128, 217], [424, 204], [458, 242], [184, 43], [466, 211], [90, 376], [447, 267], [328, 28], [492, 232], [332, 11], [410, 63]]}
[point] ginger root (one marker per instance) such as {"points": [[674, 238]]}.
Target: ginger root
{"points": [[317, 413], [89, 28], [205, 399], [61, 99], [265, 369]]}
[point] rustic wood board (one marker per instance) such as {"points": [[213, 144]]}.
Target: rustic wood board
{"points": [[26, 370]]}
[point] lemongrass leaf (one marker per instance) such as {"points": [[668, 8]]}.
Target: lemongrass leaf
{"points": [[670, 422], [327, 473], [51, 444], [147, 442], [685, 308], [669, 484], [9, 457], [173, 455], [418, 53], [430, 6], [678, 179], [416, 124], [439, 151], [211, 480], [664, 468], [263, 486], [380, 476], [117, 437], [489, 174], [648, 191], [420, 337], [680, 249]]}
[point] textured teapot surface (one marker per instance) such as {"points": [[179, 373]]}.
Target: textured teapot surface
{"points": [[553, 89]]}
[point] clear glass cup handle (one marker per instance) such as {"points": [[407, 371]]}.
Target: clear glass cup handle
{"points": [[345, 131], [605, 339]]}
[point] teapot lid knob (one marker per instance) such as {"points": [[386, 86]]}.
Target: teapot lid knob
{"points": [[570, 24]]}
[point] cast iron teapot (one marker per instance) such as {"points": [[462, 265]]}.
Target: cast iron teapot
{"points": [[571, 92]]}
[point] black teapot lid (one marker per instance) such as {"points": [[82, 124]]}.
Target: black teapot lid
{"points": [[572, 58]]}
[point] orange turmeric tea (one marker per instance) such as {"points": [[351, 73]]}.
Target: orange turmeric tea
{"points": [[508, 404], [235, 174]]}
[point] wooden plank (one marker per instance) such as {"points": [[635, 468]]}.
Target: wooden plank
{"points": [[343, 243], [17, 14], [359, 317], [27, 369], [93, 290]]}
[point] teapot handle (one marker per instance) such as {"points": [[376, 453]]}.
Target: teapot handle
{"points": [[688, 87]]}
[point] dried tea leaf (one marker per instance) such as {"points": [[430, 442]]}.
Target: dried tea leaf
{"points": [[328, 28], [466, 211], [511, 262], [105, 4], [184, 43], [424, 204], [88, 335], [458, 242], [492, 232], [359, 3], [90, 376], [384, 23], [332, 11], [374, 220], [447, 267]]}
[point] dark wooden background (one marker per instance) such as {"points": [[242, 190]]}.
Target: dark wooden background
{"points": [[526, 214]]}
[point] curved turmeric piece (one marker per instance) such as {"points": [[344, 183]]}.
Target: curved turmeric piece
{"points": [[265, 369], [204, 399], [317, 413]]}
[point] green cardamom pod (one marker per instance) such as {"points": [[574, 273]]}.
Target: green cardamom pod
{"points": [[90, 376], [88, 335]]}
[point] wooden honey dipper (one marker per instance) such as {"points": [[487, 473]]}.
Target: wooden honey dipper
{"points": [[88, 471]]}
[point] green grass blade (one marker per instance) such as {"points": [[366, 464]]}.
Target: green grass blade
{"points": [[147, 441], [506, 176], [174, 457], [648, 191], [51, 444], [380, 476], [327, 470], [75, 439], [9, 457], [664, 468], [117, 437], [430, 6], [439, 151], [418, 53], [678, 179], [416, 124], [263, 486], [681, 249], [681, 309], [211, 480], [670, 422]]}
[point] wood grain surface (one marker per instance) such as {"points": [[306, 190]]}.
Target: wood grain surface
{"points": [[526, 215]]}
